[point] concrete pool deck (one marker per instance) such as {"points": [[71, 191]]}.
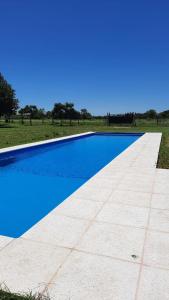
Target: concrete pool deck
{"points": [[108, 240]]}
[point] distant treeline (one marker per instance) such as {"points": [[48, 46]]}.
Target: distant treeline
{"points": [[9, 108], [131, 117], [153, 114], [60, 111]]}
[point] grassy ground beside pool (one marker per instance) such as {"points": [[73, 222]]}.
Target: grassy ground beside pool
{"points": [[16, 133], [5, 295]]}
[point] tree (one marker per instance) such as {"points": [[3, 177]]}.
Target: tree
{"points": [[30, 111], [69, 111], [77, 115], [8, 101], [65, 111], [152, 114], [41, 114], [164, 114], [48, 114], [85, 114], [58, 112], [21, 112]]}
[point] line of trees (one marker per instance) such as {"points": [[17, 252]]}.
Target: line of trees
{"points": [[149, 114], [130, 118], [67, 111], [9, 107], [32, 112], [153, 114], [60, 111]]}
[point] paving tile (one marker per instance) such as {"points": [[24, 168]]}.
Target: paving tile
{"points": [[162, 174], [79, 208], [159, 219], [113, 240], [110, 173], [131, 198], [137, 183], [140, 177], [122, 163], [160, 201], [123, 215], [93, 193], [4, 240], [57, 230], [27, 265], [86, 276], [106, 183], [59, 296], [161, 186], [141, 171], [157, 249], [162, 182], [154, 284], [145, 163]]}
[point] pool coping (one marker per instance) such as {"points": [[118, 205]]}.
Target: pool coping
{"points": [[137, 161]]}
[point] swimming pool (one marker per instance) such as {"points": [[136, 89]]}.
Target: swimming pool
{"points": [[34, 180]]}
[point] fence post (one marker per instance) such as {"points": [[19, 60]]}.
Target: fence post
{"points": [[157, 120], [108, 119]]}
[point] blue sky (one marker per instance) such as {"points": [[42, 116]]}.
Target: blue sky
{"points": [[107, 56]]}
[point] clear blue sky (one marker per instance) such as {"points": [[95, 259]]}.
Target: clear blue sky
{"points": [[107, 56]]}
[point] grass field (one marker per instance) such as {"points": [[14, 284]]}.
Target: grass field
{"points": [[6, 295], [16, 133]]}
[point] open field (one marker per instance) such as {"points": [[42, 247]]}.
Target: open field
{"points": [[16, 133]]}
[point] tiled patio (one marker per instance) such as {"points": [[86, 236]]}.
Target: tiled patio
{"points": [[108, 241]]}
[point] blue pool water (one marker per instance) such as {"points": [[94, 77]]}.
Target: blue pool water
{"points": [[35, 180]]}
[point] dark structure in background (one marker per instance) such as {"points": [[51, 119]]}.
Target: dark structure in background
{"points": [[128, 119]]}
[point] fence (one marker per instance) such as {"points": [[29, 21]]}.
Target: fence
{"points": [[128, 118]]}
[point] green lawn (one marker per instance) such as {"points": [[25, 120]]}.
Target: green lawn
{"points": [[5, 295], [16, 133]]}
